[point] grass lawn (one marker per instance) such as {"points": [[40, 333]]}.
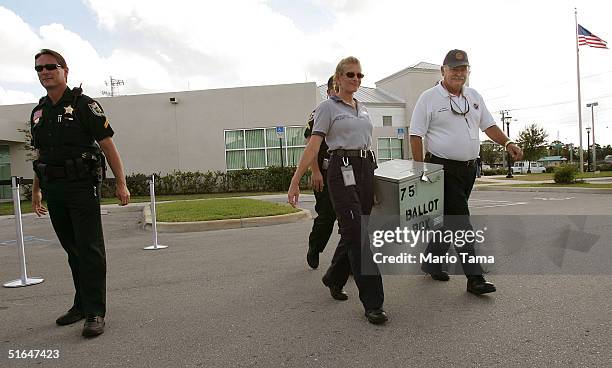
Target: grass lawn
{"points": [[550, 176], [6, 208], [553, 185], [219, 209]]}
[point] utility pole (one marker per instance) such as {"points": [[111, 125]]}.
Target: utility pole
{"points": [[113, 83]]}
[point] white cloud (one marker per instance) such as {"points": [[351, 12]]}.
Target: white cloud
{"points": [[10, 97], [522, 52]]}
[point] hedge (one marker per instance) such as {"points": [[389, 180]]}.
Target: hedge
{"points": [[271, 179]]}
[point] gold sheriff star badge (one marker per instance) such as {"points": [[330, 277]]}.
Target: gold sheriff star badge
{"points": [[68, 109]]}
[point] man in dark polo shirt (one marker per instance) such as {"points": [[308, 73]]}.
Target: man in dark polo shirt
{"points": [[323, 224]]}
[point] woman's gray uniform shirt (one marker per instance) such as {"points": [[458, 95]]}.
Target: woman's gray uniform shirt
{"points": [[342, 126]]}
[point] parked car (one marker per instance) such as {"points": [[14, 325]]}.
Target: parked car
{"points": [[521, 167], [608, 159]]}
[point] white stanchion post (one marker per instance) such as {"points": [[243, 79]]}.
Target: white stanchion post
{"points": [[24, 280], [155, 246]]}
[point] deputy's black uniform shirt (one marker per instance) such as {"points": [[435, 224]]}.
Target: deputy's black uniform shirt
{"points": [[323, 149], [68, 128]]}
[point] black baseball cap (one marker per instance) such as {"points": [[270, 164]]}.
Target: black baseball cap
{"points": [[455, 58]]}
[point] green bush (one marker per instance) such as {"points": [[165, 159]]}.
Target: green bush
{"points": [[497, 171], [271, 179], [550, 169], [566, 174], [604, 167]]}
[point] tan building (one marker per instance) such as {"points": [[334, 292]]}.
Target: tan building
{"points": [[227, 129]]}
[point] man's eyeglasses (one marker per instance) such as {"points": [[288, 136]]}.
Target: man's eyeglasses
{"points": [[39, 68], [352, 75]]}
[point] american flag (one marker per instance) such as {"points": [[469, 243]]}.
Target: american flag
{"points": [[587, 38]]}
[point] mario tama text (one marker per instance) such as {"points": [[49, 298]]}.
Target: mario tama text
{"points": [[403, 246]]}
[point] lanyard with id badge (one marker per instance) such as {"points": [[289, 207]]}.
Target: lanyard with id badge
{"points": [[347, 172]]}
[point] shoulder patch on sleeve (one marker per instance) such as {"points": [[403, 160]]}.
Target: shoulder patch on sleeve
{"points": [[36, 116], [95, 108]]}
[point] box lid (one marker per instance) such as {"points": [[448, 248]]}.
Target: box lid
{"points": [[397, 171]]}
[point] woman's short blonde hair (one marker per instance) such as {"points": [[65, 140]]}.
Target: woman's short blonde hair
{"points": [[343, 63]]}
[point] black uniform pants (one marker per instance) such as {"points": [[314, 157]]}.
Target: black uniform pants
{"points": [[458, 184], [323, 224], [350, 203], [74, 207]]}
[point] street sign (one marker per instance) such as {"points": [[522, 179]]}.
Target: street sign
{"points": [[400, 133], [280, 132]]}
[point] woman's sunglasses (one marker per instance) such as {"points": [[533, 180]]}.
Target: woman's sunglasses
{"points": [[39, 68], [352, 75]]}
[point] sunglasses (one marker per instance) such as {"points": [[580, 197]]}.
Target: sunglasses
{"points": [[462, 112], [352, 75], [39, 68]]}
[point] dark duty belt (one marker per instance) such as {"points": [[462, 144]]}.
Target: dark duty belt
{"points": [[353, 153], [51, 172], [444, 161]]}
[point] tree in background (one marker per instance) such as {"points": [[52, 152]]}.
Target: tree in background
{"points": [[490, 152], [555, 147], [532, 141], [27, 144]]}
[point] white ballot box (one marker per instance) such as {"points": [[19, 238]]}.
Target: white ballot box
{"points": [[412, 192]]}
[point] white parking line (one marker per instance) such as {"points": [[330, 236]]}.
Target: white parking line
{"points": [[490, 203], [501, 205], [554, 199]]}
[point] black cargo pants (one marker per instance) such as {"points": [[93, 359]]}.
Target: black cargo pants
{"points": [[323, 224], [350, 203], [458, 184], [74, 208]]}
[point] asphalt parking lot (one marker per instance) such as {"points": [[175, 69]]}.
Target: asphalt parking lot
{"points": [[246, 298]]}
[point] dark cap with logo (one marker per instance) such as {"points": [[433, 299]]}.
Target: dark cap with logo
{"points": [[456, 58]]}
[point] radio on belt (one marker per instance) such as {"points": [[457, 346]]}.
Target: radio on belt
{"points": [[412, 190]]}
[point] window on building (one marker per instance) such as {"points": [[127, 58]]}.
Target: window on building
{"points": [[260, 148], [389, 148], [5, 171], [387, 121]]}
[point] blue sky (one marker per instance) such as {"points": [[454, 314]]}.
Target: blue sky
{"points": [[522, 52]]}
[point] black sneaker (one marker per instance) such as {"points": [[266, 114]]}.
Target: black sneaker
{"points": [[94, 326], [72, 316], [312, 258], [478, 285], [376, 316]]}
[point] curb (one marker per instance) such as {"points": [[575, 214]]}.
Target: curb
{"points": [[197, 226], [496, 188]]}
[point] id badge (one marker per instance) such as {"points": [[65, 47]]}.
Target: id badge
{"points": [[347, 175]]}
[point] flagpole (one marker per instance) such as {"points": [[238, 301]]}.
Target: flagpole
{"points": [[579, 99]]}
